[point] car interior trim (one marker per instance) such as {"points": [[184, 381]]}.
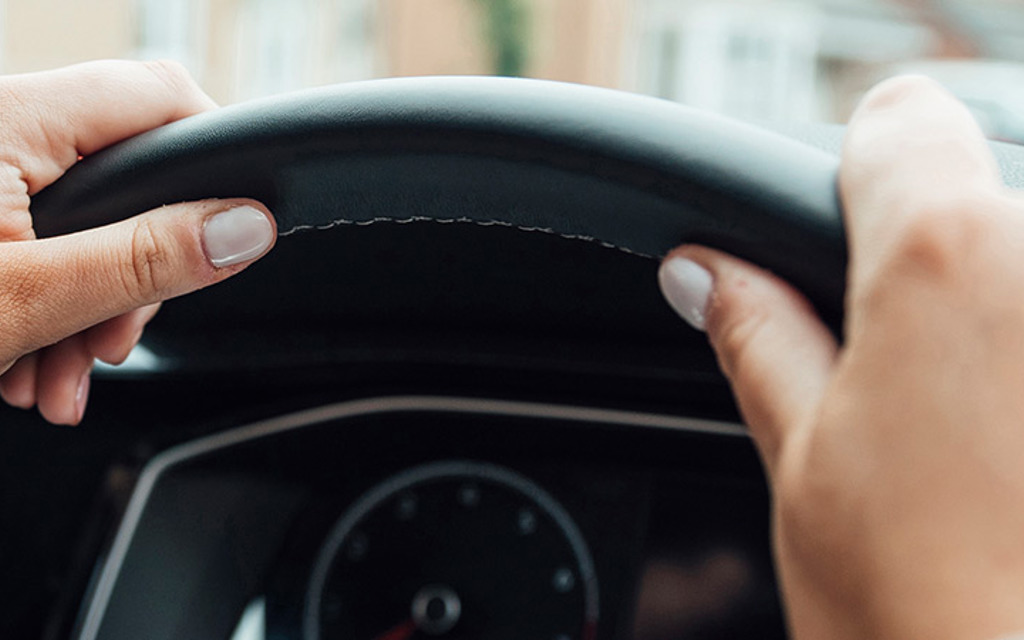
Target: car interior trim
{"points": [[159, 464]]}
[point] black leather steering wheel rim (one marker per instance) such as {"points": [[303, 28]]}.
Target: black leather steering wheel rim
{"points": [[630, 172]]}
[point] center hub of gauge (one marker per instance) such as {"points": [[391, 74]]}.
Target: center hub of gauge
{"points": [[436, 609]]}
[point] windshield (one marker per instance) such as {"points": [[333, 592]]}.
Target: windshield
{"points": [[758, 60]]}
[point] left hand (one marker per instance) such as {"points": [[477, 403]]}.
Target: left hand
{"points": [[68, 301]]}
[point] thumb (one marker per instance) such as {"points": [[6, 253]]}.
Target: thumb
{"points": [[56, 287], [773, 348]]}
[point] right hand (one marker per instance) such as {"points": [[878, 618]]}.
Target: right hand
{"points": [[896, 459]]}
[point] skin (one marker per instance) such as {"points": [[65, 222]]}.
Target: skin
{"points": [[69, 300], [895, 459]]}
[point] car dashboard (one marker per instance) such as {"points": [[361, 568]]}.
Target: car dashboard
{"points": [[511, 519], [380, 424]]}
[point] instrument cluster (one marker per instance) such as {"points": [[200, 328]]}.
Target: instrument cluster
{"points": [[405, 518]]}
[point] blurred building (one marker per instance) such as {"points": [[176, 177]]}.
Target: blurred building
{"points": [[754, 59], [812, 59], [239, 49]]}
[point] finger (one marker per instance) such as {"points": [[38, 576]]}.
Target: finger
{"points": [[770, 343], [111, 341], [48, 120], [52, 118], [62, 381], [63, 285], [911, 150], [18, 384]]}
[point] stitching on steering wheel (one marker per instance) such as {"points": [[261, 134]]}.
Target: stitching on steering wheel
{"points": [[479, 223]]}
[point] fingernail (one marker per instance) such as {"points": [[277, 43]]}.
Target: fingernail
{"points": [[82, 395], [236, 235], [687, 287]]}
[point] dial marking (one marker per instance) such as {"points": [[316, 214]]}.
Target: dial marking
{"points": [[526, 521], [469, 495], [406, 507], [563, 580], [357, 547]]}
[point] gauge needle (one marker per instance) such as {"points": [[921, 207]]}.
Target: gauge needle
{"points": [[401, 631]]}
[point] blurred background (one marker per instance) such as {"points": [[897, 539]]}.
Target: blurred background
{"points": [[775, 60]]}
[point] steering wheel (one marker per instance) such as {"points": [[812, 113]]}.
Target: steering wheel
{"points": [[636, 173], [632, 172], [626, 172]]}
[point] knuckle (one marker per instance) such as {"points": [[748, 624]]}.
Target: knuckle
{"points": [[941, 240], [896, 89], [172, 74], [22, 119], [180, 87], [934, 245], [146, 272], [22, 302], [935, 258]]}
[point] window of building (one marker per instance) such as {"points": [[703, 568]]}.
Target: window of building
{"points": [[755, 61], [284, 45], [171, 30]]}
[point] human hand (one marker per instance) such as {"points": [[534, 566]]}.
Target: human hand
{"points": [[68, 300], [896, 460]]}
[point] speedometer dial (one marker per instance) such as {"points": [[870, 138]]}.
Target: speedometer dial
{"points": [[453, 550]]}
